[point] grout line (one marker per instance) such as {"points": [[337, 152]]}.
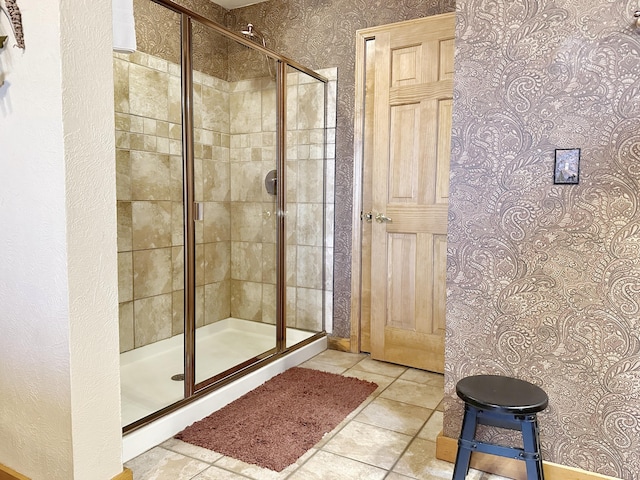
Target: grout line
{"points": [[303, 463], [352, 460], [230, 471], [411, 442]]}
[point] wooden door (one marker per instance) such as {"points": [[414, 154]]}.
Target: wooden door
{"points": [[408, 180]]}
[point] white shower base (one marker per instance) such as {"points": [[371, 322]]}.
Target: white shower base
{"points": [[146, 384]]}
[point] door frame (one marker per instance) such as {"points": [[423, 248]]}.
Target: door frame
{"points": [[362, 36]]}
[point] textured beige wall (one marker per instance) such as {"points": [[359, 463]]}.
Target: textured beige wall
{"points": [[59, 375], [35, 364], [543, 278]]}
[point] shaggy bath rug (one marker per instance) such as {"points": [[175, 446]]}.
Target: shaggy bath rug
{"points": [[275, 424]]}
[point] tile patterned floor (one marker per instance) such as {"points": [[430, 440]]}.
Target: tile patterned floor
{"points": [[391, 436]]}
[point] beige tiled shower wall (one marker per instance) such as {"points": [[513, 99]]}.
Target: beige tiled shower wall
{"points": [[309, 196], [148, 146], [252, 155], [235, 140], [149, 194]]}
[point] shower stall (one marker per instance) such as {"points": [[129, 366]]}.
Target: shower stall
{"points": [[225, 208]]}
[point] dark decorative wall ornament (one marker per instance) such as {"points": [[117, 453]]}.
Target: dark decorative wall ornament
{"points": [[567, 166], [12, 12]]}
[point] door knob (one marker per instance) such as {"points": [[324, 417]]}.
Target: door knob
{"points": [[382, 218]]}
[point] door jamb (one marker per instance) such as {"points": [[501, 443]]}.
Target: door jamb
{"points": [[362, 36]]}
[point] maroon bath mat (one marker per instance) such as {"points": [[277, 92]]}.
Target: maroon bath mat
{"points": [[275, 424]]}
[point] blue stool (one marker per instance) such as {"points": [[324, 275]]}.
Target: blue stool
{"points": [[500, 402]]}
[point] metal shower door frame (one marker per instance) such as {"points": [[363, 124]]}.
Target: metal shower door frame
{"points": [[193, 390]]}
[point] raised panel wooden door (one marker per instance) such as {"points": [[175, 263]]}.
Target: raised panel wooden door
{"points": [[409, 190]]}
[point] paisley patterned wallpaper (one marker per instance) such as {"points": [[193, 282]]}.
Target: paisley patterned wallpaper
{"points": [[544, 279], [321, 34], [158, 34]]}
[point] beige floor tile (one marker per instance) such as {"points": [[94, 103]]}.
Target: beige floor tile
{"points": [[215, 473], [327, 466], [381, 380], [356, 411], [324, 367], [425, 396], [426, 378], [329, 435], [381, 368], [432, 428], [478, 475], [339, 359], [190, 450], [259, 473], [369, 444], [397, 476], [420, 462], [393, 415], [160, 464]]}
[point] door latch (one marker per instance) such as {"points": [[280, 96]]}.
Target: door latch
{"points": [[382, 218]]}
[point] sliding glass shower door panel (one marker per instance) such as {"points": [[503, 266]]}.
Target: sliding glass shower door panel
{"points": [[234, 100], [305, 160], [150, 220]]}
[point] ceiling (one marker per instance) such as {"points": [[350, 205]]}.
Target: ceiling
{"points": [[231, 4]]}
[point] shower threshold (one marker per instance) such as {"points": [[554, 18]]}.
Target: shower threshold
{"points": [[147, 386]]}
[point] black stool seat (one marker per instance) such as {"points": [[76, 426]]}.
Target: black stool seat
{"points": [[501, 402], [502, 394]]}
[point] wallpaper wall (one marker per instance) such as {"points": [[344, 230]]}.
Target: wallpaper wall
{"points": [[543, 279], [319, 34], [158, 34]]}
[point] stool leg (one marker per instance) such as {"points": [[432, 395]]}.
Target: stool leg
{"points": [[531, 443], [468, 432]]}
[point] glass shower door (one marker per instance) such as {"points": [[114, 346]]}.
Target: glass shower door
{"points": [[221, 207], [234, 115], [150, 218], [305, 160]]}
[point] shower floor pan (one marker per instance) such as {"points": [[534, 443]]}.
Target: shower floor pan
{"points": [[147, 386], [146, 373]]}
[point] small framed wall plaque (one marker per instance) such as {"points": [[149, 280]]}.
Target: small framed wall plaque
{"points": [[567, 166]]}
